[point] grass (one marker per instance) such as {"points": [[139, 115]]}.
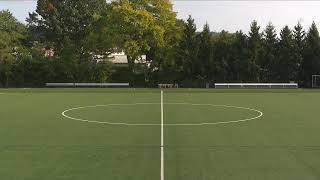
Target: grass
{"points": [[38, 143]]}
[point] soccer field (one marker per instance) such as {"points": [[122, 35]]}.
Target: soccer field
{"points": [[115, 134]]}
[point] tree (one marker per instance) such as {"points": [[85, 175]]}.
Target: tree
{"points": [[189, 46], [98, 73], [83, 34], [288, 69], [269, 59], [299, 39], [255, 51], [141, 25], [72, 30], [12, 34], [203, 64], [188, 49], [162, 59], [221, 55], [311, 55], [64, 22], [239, 58], [165, 65]]}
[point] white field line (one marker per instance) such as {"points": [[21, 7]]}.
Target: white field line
{"points": [[182, 124], [162, 141]]}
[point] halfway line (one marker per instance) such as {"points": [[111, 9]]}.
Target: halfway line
{"points": [[161, 146]]}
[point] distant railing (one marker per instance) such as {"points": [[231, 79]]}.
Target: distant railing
{"points": [[87, 85], [256, 85]]}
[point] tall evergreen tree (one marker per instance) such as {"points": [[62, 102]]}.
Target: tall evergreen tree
{"points": [[287, 67], [299, 39], [239, 58], [221, 55], [189, 48], [205, 54], [311, 55], [255, 47], [268, 62]]}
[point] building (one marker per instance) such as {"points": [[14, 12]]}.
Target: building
{"points": [[120, 58]]}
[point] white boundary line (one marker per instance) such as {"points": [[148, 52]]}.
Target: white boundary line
{"points": [[162, 141], [182, 124]]}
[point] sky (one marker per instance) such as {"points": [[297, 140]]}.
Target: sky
{"points": [[221, 15]]}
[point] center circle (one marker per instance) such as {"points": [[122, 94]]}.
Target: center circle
{"points": [[175, 114]]}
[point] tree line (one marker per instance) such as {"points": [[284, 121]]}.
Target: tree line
{"points": [[260, 56], [70, 41]]}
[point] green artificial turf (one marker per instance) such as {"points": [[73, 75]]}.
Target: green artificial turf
{"points": [[38, 143]]}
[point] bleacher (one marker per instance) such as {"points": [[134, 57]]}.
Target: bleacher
{"points": [[88, 85], [256, 85]]}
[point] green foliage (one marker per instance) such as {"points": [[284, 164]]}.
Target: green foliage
{"points": [[255, 50], [299, 44], [139, 26], [205, 55], [142, 28], [287, 65], [65, 22], [221, 48], [239, 58], [11, 37], [188, 49], [269, 62], [80, 35], [311, 55], [163, 60], [72, 30]]}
